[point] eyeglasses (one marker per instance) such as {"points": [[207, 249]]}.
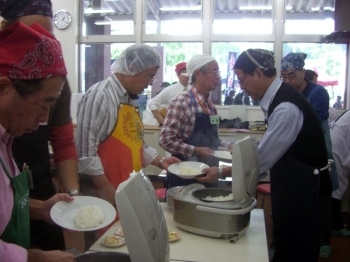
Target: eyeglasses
{"points": [[215, 72], [150, 80], [290, 76], [242, 80]]}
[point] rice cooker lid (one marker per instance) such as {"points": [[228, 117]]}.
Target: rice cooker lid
{"points": [[142, 220], [245, 169]]}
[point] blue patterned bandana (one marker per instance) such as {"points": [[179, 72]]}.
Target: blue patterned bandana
{"points": [[293, 61], [18, 8], [251, 59]]}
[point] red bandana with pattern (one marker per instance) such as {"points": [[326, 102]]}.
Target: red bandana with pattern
{"points": [[29, 53]]}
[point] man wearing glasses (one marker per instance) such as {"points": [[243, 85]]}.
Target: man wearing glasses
{"points": [[294, 151], [293, 73], [190, 129], [109, 134]]}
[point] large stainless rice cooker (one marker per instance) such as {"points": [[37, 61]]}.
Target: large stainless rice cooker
{"points": [[227, 219]]}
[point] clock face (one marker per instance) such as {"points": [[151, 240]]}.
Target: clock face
{"points": [[62, 19]]}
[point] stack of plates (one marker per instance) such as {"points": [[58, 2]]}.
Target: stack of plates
{"points": [[170, 195]]}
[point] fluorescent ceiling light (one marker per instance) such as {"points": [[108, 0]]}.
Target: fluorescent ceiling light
{"points": [[91, 11], [314, 9], [181, 8]]}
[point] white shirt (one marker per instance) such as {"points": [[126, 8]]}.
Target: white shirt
{"points": [[340, 135], [166, 96], [162, 100], [96, 120], [284, 125]]}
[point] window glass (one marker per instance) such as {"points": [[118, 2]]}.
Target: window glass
{"points": [[173, 17], [172, 53], [96, 60], [256, 17], [105, 17], [226, 54], [328, 61], [309, 17]]}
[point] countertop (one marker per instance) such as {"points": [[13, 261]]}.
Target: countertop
{"points": [[223, 130], [252, 246]]}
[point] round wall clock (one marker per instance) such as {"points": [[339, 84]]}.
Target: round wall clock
{"points": [[62, 19]]}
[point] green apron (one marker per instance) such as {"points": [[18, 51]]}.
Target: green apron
{"points": [[17, 230]]}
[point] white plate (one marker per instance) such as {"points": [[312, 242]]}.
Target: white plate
{"points": [[224, 156], [177, 167], [173, 236], [224, 149], [120, 242], [62, 213]]}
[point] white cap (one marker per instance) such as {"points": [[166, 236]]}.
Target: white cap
{"points": [[197, 62], [136, 59]]}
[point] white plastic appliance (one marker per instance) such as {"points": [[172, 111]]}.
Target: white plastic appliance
{"points": [[142, 220]]}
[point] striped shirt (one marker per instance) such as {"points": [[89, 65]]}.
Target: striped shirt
{"points": [[180, 120], [96, 119]]}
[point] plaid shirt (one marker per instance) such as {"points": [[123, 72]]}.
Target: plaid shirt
{"points": [[180, 120]]}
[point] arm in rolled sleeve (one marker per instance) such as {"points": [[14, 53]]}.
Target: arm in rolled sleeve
{"points": [[92, 128]]}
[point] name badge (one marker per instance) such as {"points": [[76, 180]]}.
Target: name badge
{"points": [[214, 120]]}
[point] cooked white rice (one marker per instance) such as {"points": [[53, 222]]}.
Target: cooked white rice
{"points": [[89, 217], [187, 170], [219, 198]]}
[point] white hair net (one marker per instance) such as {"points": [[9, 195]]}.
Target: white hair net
{"points": [[135, 59], [197, 62]]}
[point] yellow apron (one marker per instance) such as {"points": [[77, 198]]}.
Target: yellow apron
{"points": [[122, 151]]}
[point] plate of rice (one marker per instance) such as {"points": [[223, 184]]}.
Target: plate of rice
{"points": [[113, 241], [84, 213], [187, 169]]}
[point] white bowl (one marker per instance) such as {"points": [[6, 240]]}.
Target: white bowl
{"points": [[179, 169]]}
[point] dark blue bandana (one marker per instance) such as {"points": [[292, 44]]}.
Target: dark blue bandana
{"points": [[18, 8], [251, 59], [293, 61]]}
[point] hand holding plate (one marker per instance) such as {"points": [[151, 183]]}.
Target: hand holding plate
{"points": [[211, 175]]}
